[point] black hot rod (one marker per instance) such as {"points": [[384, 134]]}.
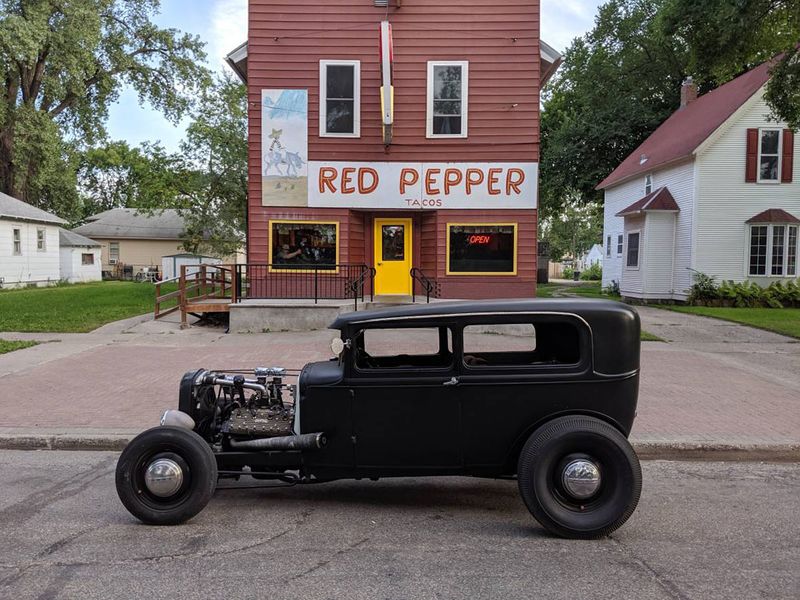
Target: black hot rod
{"points": [[544, 390]]}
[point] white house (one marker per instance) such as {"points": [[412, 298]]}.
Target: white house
{"points": [[594, 256], [29, 250], [80, 258], [714, 189]]}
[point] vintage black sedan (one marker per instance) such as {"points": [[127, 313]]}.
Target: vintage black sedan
{"points": [[541, 390]]}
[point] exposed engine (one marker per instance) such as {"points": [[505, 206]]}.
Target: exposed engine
{"points": [[234, 411]]}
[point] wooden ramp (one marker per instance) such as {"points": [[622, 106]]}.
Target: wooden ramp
{"points": [[199, 289]]}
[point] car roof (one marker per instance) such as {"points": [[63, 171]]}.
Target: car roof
{"points": [[584, 307]]}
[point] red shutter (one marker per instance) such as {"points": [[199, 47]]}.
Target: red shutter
{"points": [[751, 170], [788, 156]]}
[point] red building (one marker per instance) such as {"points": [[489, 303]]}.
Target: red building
{"points": [[396, 136]]}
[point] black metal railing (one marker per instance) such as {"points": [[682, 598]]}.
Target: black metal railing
{"points": [[429, 286], [304, 282]]}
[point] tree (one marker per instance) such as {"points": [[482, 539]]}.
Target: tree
{"points": [[728, 37], [574, 230], [617, 84], [62, 63], [115, 175]]}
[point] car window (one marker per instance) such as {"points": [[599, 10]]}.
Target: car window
{"points": [[521, 344], [405, 347]]}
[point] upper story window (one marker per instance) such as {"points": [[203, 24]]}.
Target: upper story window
{"points": [[769, 155], [340, 98], [41, 239], [648, 184], [620, 239], [773, 250], [447, 99], [17, 242]]}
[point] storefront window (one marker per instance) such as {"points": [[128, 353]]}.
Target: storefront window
{"points": [[303, 245], [484, 249]]}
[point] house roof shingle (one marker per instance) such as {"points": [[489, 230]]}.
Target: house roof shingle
{"points": [[67, 238], [773, 215], [688, 127], [129, 223], [659, 199], [11, 208]]}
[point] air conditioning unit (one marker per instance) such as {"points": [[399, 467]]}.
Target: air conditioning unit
{"points": [[113, 261]]}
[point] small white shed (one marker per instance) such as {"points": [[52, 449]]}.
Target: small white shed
{"points": [[79, 258], [171, 265]]}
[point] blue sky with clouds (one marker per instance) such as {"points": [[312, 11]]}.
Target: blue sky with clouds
{"points": [[222, 24]]}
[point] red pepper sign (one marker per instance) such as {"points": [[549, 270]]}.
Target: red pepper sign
{"points": [[479, 239]]}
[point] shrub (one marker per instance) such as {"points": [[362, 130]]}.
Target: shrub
{"points": [[593, 273], [567, 273], [703, 289], [612, 289]]}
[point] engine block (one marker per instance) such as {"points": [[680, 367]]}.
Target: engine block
{"points": [[261, 422]]}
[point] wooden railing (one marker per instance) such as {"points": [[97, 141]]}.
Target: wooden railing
{"points": [[196, 291]]}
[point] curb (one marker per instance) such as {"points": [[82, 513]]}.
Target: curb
{"points": [[677, 451]]}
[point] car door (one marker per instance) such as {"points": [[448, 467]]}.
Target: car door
{"points": [[405, 409]]}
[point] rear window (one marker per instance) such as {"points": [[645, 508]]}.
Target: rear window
{"points": [[522, 344], [416, 347]]}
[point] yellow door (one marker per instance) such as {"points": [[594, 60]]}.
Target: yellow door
{"points": [[392, 242]]}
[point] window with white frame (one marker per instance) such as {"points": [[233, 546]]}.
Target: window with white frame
{"points": [[773, 250], [769, 155], [648, 184], [620, 241], [16, 242], [447, 99], [340, 98], [113, 252], [633, 250], [41, 239], [608, 246]]}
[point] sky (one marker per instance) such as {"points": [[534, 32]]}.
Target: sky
{"points": [[222, 24]]}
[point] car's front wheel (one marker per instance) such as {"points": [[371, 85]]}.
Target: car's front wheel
{"points": [[166, 475], [579, 477]]}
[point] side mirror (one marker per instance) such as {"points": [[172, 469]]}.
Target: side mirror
{"points": [[337, 346]]}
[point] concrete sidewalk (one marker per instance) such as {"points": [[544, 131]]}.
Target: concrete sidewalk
{"points": [[715, 390]]}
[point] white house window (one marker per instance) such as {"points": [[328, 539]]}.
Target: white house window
{"points": [[87, 258], [620, 239], [340, 98], [633, 250], [608, 246], [41, 239], [648, 184], [17, 242], [113, 252], [447, 99], [769, 155], [773, 250]]}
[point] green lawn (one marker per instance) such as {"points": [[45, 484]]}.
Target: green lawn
{"points": [[73, 308], [11, 345], [779, 320], [587, 289]]}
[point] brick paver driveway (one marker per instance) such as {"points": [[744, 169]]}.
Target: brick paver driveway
{"points": [[715, 382]]}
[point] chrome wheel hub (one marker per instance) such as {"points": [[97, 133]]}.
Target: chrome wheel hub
{"points": [[581, 478], [163, 477]]}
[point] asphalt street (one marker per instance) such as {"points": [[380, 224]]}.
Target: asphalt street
{"points": [[702, 530]]}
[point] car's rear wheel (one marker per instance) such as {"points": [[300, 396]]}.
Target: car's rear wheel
{"points": [[579, 477], [166, 475]]}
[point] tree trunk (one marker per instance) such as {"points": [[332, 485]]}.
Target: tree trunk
{"points": [[7, 178]]}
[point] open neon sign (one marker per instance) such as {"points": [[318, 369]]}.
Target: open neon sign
{"points": [[479, 239]]}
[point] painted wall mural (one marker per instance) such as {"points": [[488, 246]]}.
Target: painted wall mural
{"points": [[284, 147]]}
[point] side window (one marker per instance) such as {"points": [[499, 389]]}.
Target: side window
{"points": [[544, 343], [619, 244], [404, 348], [447, 99]]}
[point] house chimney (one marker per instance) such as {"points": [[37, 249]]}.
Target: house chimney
{"points": [[688, 92]]}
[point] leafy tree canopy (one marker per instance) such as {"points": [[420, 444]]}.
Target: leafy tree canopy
{"points": [[62, 64]]}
